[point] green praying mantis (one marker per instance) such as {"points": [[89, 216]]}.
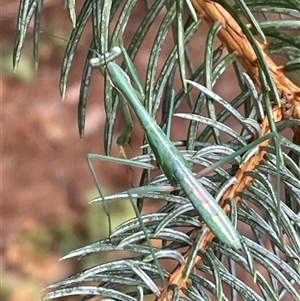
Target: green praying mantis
{"points": [[168, 157]]}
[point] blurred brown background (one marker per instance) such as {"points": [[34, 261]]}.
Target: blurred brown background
{"points": [[46, 183]]}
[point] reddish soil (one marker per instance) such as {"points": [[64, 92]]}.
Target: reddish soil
{"points": [[45, 174]]}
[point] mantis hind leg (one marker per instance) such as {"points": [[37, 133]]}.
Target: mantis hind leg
{"points": [[93, 156]]}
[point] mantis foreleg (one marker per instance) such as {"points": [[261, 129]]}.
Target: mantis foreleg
{"points": [[102, 62]]}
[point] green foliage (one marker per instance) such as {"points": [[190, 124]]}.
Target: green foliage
{"points": [[268, 215]]}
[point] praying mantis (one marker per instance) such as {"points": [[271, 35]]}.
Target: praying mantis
{"points": [[168, 157]]}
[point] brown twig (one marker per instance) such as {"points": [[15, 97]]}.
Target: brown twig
{"points": [[232, 36]]}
